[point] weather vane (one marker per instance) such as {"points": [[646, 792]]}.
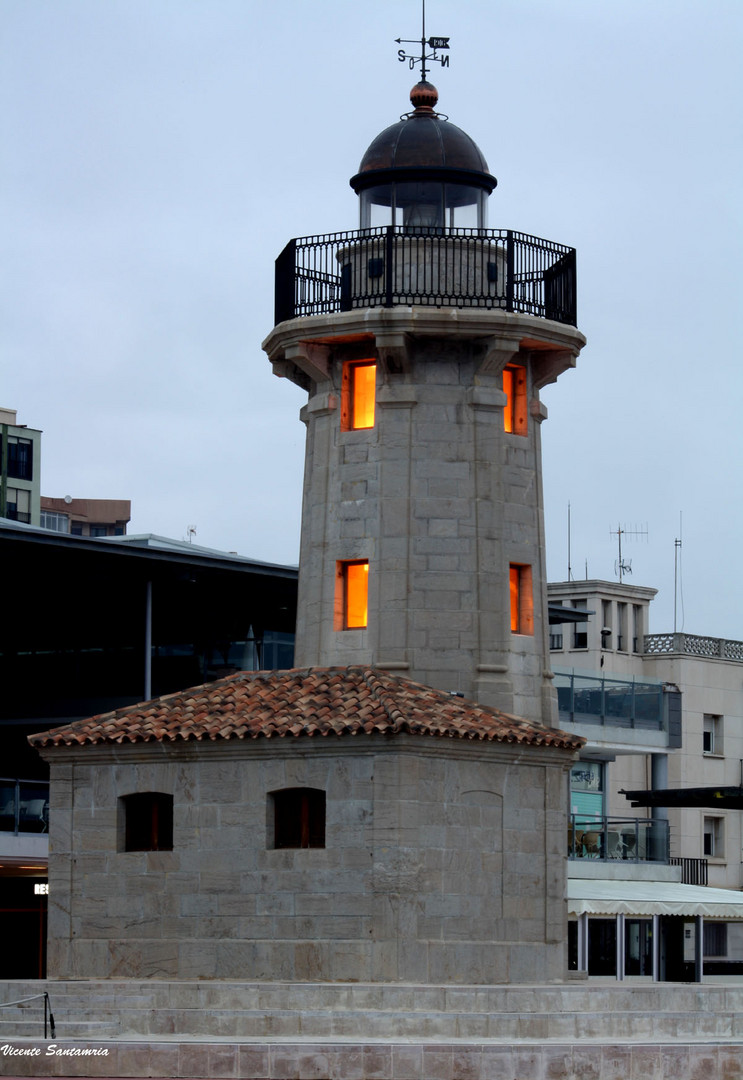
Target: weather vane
{"points": [[425, 58]]}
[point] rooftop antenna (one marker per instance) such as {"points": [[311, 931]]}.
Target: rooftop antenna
{"points": [[677, 583], [622, 567], [191, 532], [570, 569], [433, 43]]}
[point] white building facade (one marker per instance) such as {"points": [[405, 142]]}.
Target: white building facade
{"points": [[659, 712], [20, 459]]}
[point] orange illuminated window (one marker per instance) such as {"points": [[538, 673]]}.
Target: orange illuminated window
{"points": [[358, 395], [522, 604], [514, 387], [352, 594]]}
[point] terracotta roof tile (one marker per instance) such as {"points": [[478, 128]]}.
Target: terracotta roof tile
{"points": [[300, 702]]}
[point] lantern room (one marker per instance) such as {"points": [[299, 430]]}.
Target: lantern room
{"points": [[423, 173]]}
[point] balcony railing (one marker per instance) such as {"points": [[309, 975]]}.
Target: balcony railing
{"points": [[24, 806], [397, 266], [693, 645], [693, 871], [629, 839], [608, 700]]}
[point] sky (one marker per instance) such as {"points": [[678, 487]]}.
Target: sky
{"points": [[157, 155]]}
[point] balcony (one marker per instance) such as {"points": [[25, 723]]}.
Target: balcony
{"points": [[626, 839], [612, 709], [24, 806], [693, 645], [397, 266]]}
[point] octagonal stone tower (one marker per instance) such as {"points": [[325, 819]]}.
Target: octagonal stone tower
{"points": [[423, 340]]}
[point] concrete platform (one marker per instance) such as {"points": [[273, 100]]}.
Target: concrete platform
{"points": [[315, 1031]]}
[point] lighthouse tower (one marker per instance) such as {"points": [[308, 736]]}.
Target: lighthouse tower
{"points": [[423, 339]]}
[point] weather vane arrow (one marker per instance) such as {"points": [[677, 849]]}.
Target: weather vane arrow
{"points": [[432, 42]]}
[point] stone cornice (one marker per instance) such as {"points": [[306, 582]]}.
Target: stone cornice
{"points": [[559, 341], [341, 746]]}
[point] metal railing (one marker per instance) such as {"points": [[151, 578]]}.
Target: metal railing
{"points": [[629, 839], [24, 805], [693, 871], [394, 265], [49, 1026]]}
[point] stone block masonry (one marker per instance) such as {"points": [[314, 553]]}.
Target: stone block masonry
{"points": [[437, 495], [436, 865]]}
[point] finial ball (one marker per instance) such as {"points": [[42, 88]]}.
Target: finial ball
{"points": [[424, 95]]}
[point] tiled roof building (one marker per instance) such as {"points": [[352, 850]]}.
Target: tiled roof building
{"points": [[329, 823]]}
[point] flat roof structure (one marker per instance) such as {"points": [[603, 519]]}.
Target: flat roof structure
{"points": [[82, 615]]}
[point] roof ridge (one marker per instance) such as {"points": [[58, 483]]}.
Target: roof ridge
{"points": [[372, 680]]}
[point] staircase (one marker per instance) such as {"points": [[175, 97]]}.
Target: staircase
{"points": [[278, 1031]]}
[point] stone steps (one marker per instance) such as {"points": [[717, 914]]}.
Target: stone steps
{"points": [[228, 1024], [120, 1009], [23, 1028]]}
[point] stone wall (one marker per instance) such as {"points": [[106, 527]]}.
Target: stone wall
{"points": [[444, 862]]}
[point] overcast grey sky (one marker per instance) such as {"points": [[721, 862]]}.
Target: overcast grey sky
{"points": [[158, 154]]}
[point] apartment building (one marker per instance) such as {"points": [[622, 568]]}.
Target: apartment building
{"points": [[20, 469], [662, 714]]}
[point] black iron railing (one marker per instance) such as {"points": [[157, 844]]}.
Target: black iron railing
{"points": [[49, 1027], [693, 871], [394, 266]]}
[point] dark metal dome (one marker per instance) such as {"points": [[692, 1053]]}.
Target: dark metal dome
{"points": [[423, 144]]}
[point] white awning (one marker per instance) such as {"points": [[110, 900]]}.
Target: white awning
{"points": [[603, 897]]}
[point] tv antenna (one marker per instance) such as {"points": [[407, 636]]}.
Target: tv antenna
{"points": [[677, 582], [622, 566], [433, 43], [191, 532]]}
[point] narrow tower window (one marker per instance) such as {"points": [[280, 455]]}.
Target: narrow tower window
{"points": [[352, 590], [522, 606], [358, 395], [514, 387]]}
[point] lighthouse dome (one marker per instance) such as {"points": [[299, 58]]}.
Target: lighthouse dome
{"points": [[423, 171]]}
